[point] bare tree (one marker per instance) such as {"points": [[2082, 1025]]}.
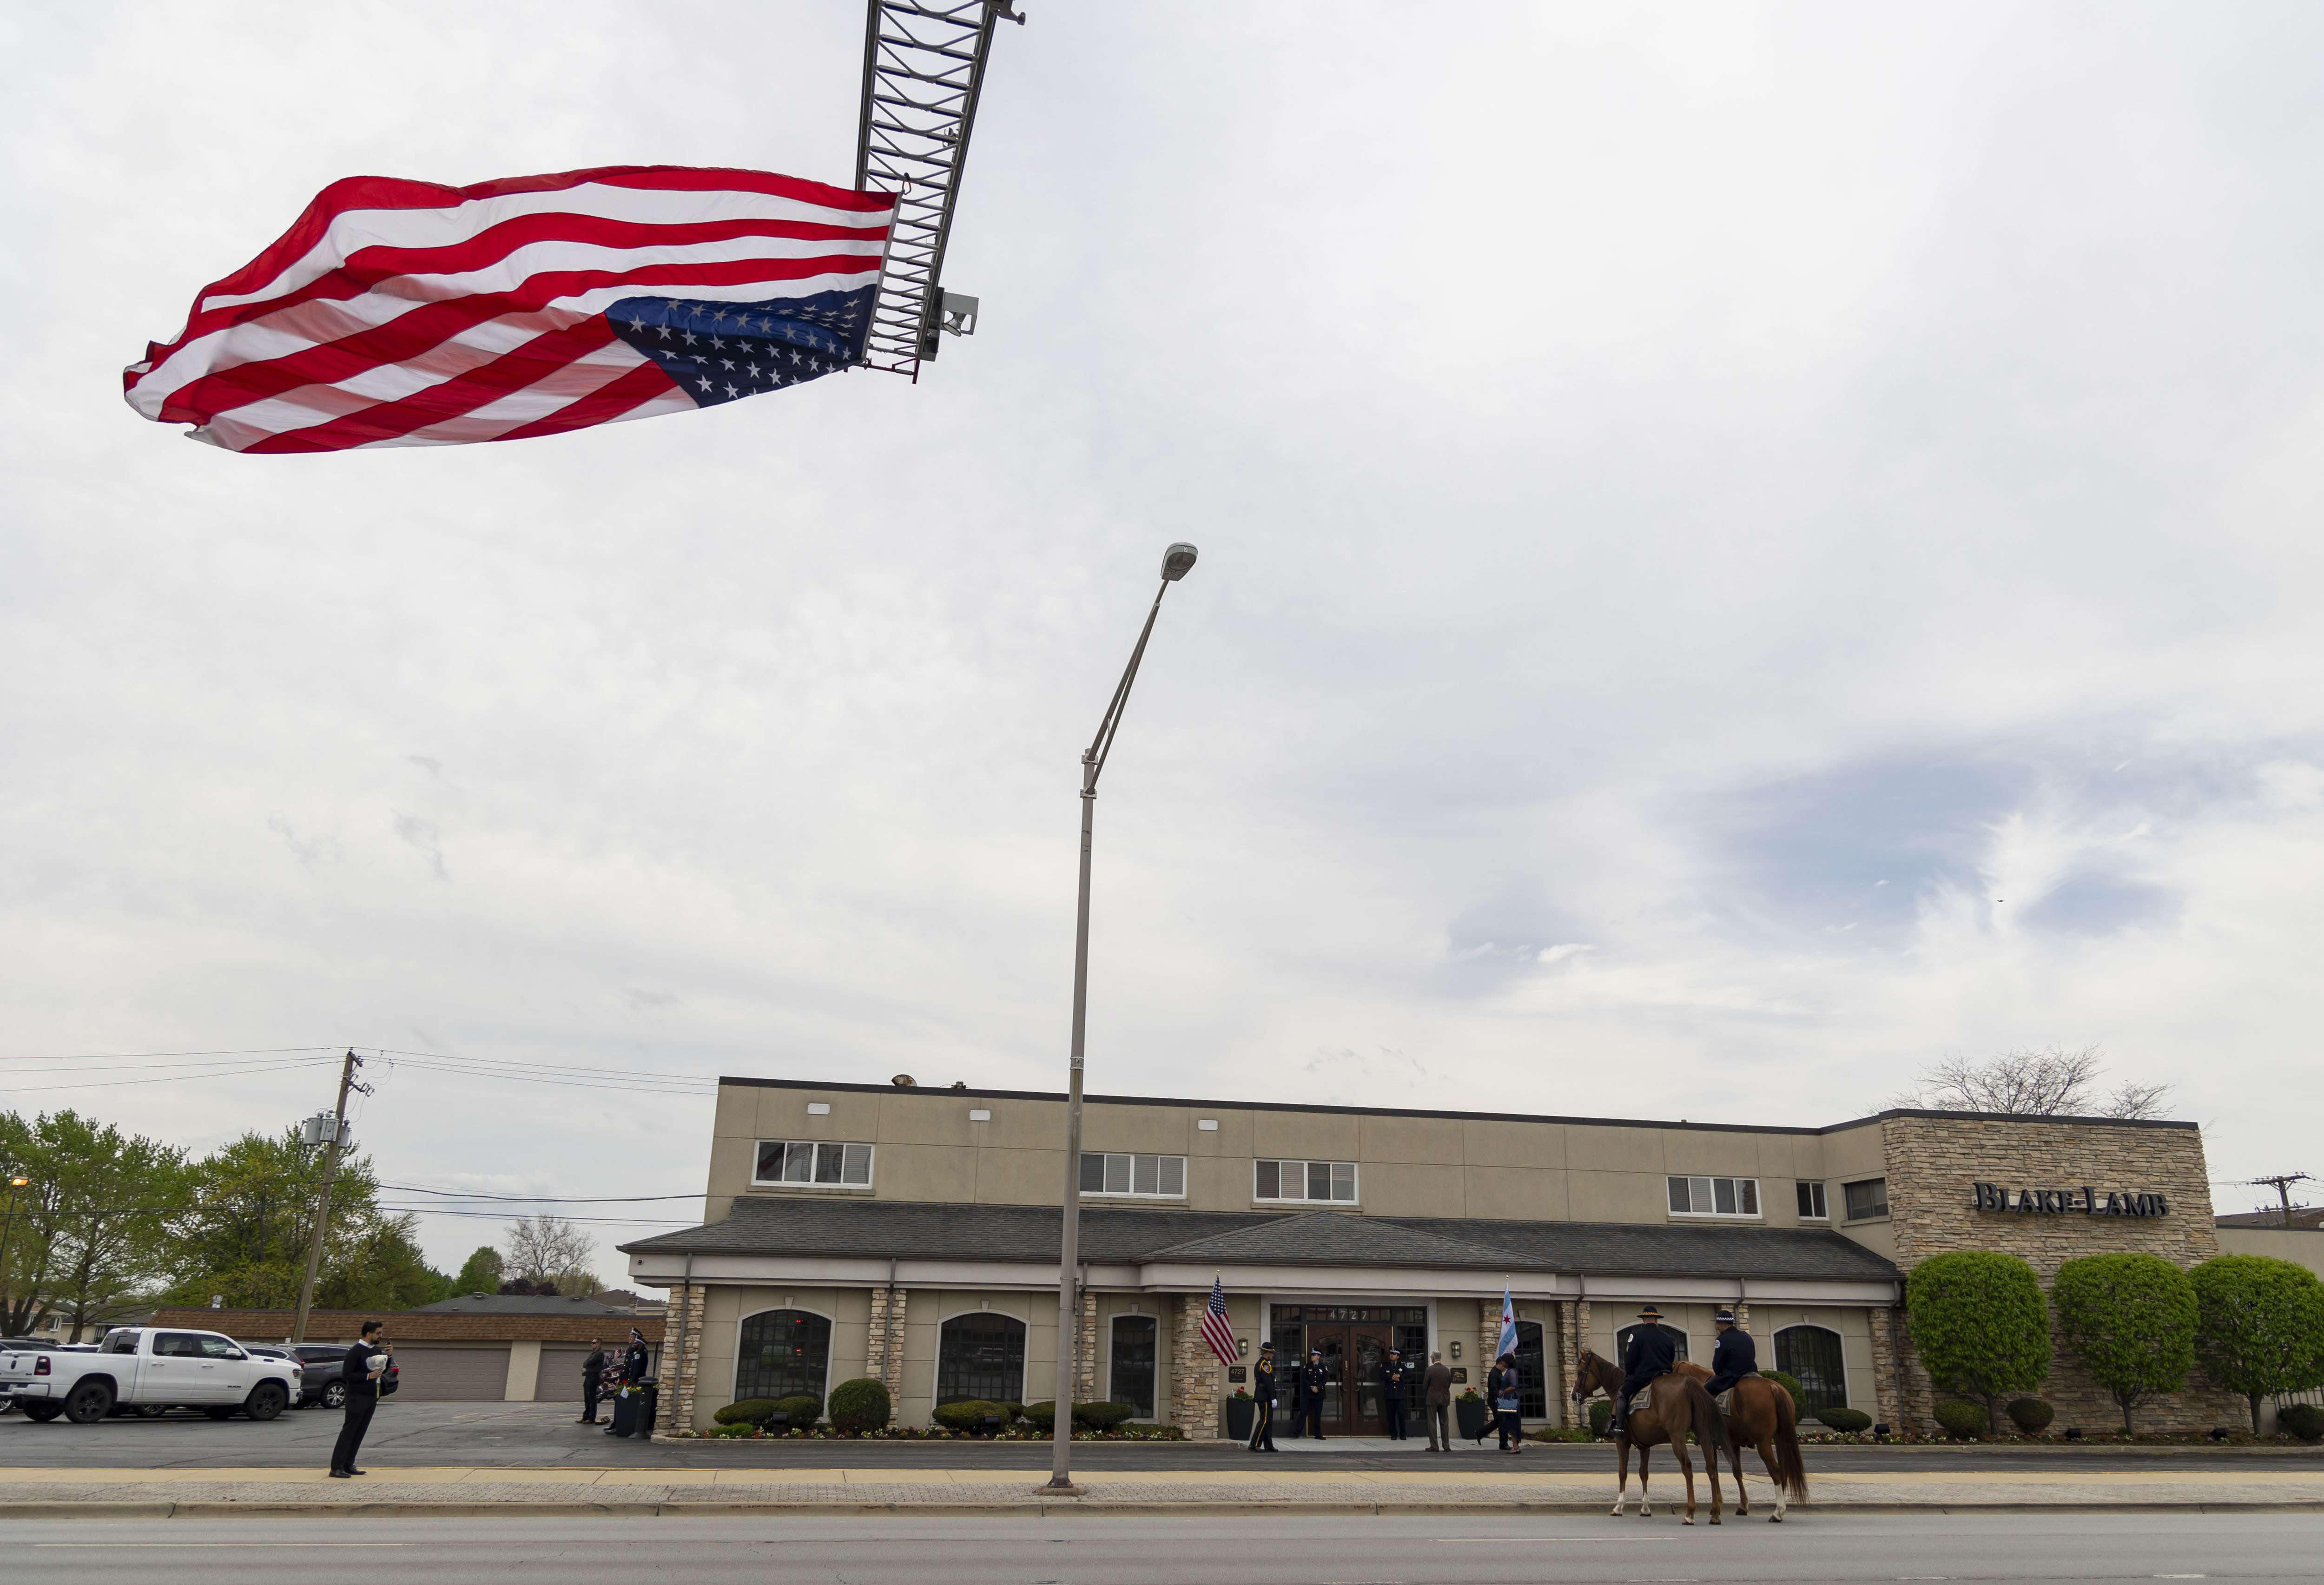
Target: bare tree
{"points": [[550, 1250], [2051, 1082]]}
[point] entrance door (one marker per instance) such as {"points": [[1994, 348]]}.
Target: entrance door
{"points": [[1355, 1357]]}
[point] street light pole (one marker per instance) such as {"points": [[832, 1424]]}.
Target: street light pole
{"points": [[1176, 562]]}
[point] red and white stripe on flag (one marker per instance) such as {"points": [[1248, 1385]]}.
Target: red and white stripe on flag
{"points": [[1216, 1331], [404, 313]]}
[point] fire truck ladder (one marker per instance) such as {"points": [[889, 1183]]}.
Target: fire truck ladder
{"points": [[923, 69]]}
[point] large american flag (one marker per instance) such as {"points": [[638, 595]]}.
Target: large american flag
{"points": [[402, 313], [1215, 1330]]}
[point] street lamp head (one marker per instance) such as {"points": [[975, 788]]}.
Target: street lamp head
{"points": [[18, 1183], [1177, 561]]}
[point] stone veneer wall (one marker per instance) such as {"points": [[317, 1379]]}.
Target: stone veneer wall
{"points": [[1931, 1163], [682, 1336], [884, 1356], [1085, 1350], [1194, 1371]]}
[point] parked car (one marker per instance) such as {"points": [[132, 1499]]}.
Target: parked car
{"points": [[146, 1367], [325, 1364]]}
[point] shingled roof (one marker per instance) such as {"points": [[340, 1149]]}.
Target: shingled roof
{"points": [[1110, 1235]]}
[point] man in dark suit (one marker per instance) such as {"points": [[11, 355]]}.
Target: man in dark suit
{"points": [[366, 1363], [593, 1381], [1394, 1381], [1653, 1353], [1436, 1402], [1736, 1357], [1262, 1392]]}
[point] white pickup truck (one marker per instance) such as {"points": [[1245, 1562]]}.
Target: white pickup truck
{"points": [[152, 1368]]}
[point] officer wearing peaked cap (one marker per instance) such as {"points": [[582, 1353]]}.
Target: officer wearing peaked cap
{"points": [[1653, 1351], [1262, 1391], [1736, 1357]]}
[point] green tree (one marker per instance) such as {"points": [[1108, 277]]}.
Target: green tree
{"points": [[244, 1233], [1980, 1326], [2131, 1318], [2259, 1326], [481, 1274], [86, 1237]]}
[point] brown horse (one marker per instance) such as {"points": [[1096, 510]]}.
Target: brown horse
{"points": [[1760, 1414], [1676, 1404]]}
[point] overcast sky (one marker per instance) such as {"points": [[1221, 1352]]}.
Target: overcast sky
{"points": [[1745, 550]]}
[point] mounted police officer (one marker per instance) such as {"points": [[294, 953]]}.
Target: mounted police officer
{"points": [[1653, 1351], [1313, 1377], [1393, 1380], [1262, 1391], [1736, 1357]]}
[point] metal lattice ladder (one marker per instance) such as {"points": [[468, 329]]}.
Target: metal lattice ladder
{"points": [[923, 69]]}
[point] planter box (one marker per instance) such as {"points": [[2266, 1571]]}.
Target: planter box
{"points": [[1474, 1419], [1241, 1413]]}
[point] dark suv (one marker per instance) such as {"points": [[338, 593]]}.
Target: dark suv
{"points": [[322, 1384]]}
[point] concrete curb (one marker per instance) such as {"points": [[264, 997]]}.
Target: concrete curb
{"points": [[1049, 1509]]}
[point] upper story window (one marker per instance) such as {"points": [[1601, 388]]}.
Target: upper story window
{"points": [[1304, 1180], [1867, 1199], [1714, 1196], [813, 1161], [1811, 1203], [1163, 1176]]}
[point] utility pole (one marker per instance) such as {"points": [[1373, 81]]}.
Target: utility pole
{"points": [[2282, 1184], [323, 1199]]}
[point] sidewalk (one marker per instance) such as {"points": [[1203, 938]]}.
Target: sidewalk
{"points": [[468, 1491]]}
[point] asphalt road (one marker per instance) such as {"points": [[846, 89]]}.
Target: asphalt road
{"points": [[1259, 1549], [538, 1435]]}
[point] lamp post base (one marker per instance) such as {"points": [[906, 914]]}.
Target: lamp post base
{"points": [[1061, 1488]]}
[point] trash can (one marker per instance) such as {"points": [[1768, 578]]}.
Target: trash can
{"points": [[626, 1404], [1240, 1414]]}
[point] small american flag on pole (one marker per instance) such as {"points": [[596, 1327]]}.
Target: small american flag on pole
{"points": [[1215, 1330], [403, 313]]}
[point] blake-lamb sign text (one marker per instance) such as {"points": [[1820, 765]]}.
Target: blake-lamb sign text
{"points": [[2084, 1200]]}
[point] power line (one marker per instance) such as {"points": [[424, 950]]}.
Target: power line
{"points": [[539, 1199], [518, 1216], [167, 1078]]}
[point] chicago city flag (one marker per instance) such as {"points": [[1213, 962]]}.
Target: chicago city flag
{"points": [[402, 313]]}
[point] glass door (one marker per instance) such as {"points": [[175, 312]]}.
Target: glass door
{"points": [[1133, 1364]]}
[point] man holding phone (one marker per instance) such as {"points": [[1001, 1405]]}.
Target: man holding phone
{"points": [[366, 1363]]}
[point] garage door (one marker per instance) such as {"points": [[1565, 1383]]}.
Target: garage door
{"points": [[560, 1373], [438, 1372]]}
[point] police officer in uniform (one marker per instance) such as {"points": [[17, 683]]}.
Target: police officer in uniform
{"points": [[1312, 1377], [1736, 1357], [1392, 1393], [1262, 1424], [1653, 1353]]}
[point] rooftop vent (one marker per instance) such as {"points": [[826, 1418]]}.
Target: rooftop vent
{"points": [[904, 1081]]}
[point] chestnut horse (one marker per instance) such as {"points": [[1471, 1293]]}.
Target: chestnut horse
{"points": [[1676, 1404], [1760, 1414]]}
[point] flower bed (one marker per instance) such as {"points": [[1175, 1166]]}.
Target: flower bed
{"points": [[928, 1434]]}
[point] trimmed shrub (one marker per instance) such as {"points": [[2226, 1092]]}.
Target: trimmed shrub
{"points": [[1096, 1416], [749, 1412], [969, 1414], [801, 1410], [1980, 1324], [2304, 1420], [860, 1406], [733, 1428], [1790, 1383], [1012, 1413], [2030, 1414], [2259, 1327], [1845, 1419], [1961, 1417], [1601, 1413], [2131, 1319]]}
